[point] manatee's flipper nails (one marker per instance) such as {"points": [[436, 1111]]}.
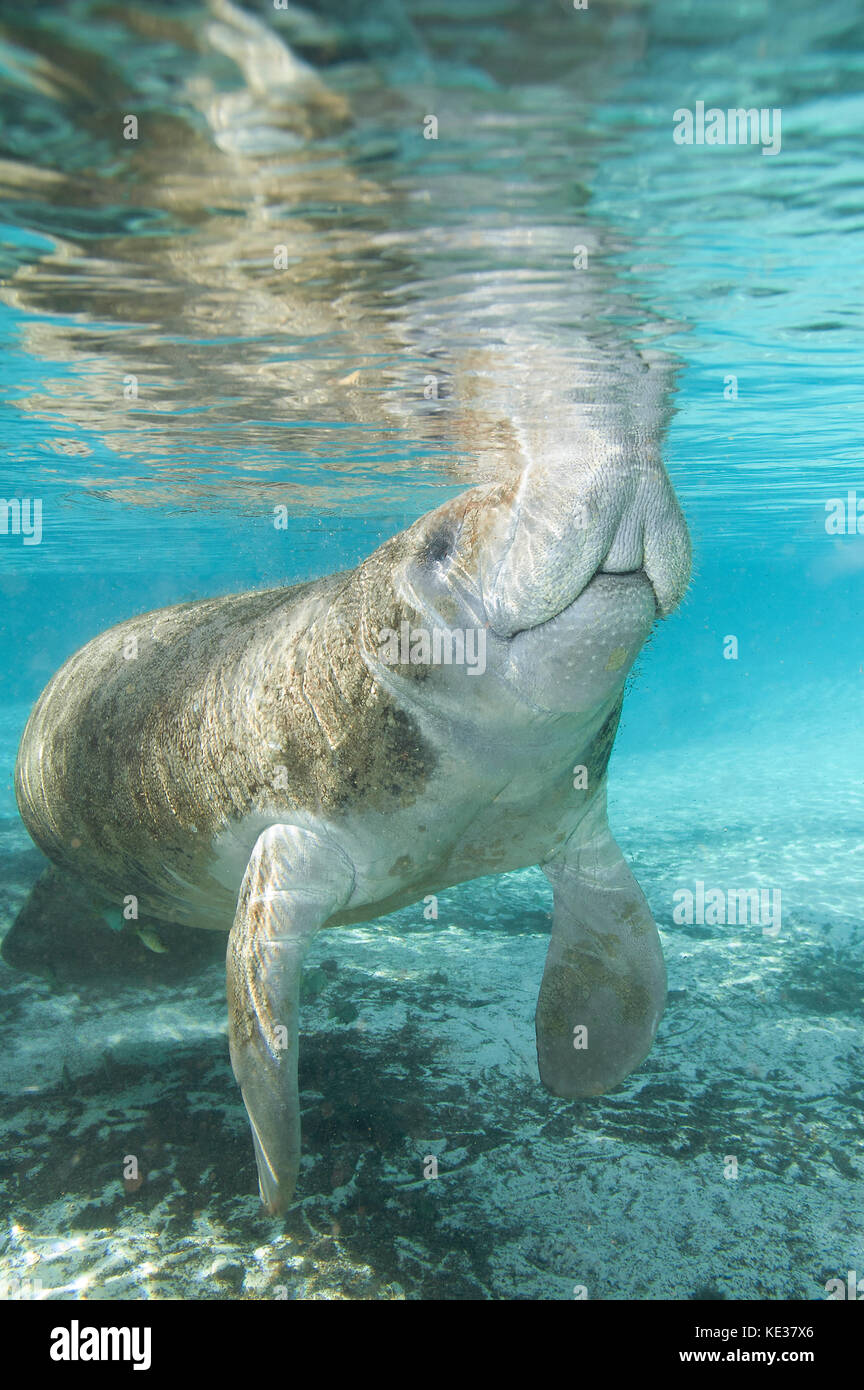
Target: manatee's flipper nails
{"points": [[295, 880], [604, 986]]}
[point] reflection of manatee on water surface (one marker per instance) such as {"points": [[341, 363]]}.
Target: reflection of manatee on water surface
{"points": [[251, 764], [278, 257]]}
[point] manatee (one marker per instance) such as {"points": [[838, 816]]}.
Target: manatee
{"points": [[274, 763]]}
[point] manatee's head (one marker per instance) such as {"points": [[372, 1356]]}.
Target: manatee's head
{"points": [[558, 584]]}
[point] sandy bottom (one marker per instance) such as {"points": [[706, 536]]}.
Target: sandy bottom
{"points": [[418, 1041]]}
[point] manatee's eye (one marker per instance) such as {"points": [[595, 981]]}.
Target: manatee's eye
{"points": [[439, 546]]}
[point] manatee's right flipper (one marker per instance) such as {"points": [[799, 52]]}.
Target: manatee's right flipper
{"points": [[296, 880]]}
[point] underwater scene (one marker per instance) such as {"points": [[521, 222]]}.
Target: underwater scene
{"points": [[432, 434]]}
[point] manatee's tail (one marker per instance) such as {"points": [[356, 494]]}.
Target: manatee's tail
{"points": [[62, 933], [30, 944]]}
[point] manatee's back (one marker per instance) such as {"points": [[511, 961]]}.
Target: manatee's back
{"points": [[135, 751]]}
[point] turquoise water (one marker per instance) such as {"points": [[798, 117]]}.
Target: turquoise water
{"points": [[165, 387]]}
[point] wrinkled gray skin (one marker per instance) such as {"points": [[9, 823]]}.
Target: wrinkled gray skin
{"points": [[257, 762]]}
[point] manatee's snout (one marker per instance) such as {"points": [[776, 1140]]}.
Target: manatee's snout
{"points": [[611, 515]]}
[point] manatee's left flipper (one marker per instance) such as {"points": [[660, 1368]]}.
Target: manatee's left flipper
{"points": [[295, 880], [604, 986]]}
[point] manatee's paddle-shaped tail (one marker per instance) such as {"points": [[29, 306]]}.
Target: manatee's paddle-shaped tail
{"points": [[294, 882], [604, 986], [71, 932]]}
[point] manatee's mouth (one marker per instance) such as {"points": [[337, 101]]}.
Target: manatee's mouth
{"points": [[639, 573], [628, 579]]}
